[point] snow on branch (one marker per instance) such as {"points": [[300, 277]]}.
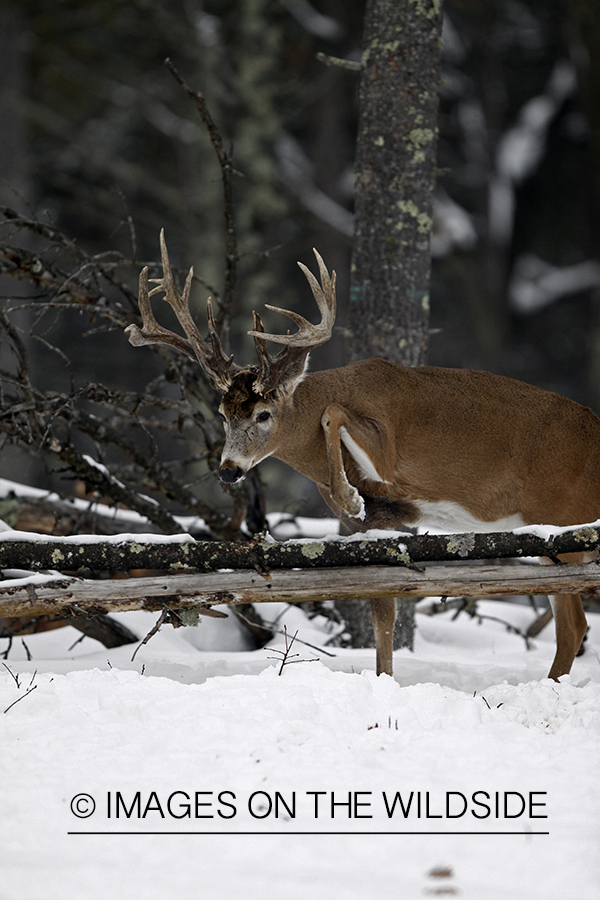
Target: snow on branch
{"points": [[201, 574], [95, 553]]}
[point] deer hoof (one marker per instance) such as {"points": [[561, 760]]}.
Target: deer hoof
{"points": [[356, 506]]}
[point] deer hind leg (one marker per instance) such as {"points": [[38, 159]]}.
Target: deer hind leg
{"points": [[571, 626], [384, 618], [570, 621]]}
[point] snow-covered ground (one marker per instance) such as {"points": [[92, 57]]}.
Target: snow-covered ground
{"points": [[204, 764]]}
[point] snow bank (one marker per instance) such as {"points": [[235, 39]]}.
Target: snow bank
{"points": [[216, 777]]}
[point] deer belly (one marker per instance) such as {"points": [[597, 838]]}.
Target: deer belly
{"points": [[449, 516]]}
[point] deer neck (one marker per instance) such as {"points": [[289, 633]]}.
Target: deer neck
{"points": [[302, 442]]}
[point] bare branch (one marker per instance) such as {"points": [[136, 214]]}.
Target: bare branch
{"points": [[231, 254], [286, 657], [351, 65], [164, 617]]}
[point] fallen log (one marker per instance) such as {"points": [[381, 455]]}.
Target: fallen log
{"points": [[102, 628], [75, 597], [125, 552]]}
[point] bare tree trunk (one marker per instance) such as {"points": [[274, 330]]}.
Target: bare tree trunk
{"points": [[394, 180]]}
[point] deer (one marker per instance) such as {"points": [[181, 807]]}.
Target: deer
{"points": [[391, 447]]}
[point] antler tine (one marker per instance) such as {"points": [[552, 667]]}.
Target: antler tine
{"points": [[151, 332], [217, 366], [180, 303], [309, 335], [288, 366], [217, 351], [265, 361]]}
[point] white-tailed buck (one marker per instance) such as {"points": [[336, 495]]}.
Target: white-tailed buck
{"points": [[389, 446]]}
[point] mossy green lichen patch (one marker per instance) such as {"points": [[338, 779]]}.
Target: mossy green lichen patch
{"points": [[589, 535], [312, 550], [461, 544]]}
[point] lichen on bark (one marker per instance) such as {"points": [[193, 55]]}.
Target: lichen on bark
{"points": [[394, 181]]}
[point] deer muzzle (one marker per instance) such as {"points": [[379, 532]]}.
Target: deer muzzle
{"points": [[230, 473]]}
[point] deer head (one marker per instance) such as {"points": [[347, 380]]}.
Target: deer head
{"points": [[253, 396]]}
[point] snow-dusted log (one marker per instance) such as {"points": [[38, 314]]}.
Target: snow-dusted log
{"points": [[69, 596], [124, 552]]}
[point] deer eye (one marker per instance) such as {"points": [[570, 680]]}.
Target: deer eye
{"points": [[224, 418], [263, 416]]}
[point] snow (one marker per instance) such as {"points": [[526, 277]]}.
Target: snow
{"points": [[535, 284], [285, 526], [522, 147], [136, 538], [549, 532], [453, 227], [469, 714], [13, 488], [19, 578]]}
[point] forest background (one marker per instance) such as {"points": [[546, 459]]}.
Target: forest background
{"points": [[100, 148]]}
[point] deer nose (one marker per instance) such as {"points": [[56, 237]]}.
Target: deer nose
{"points": [[230, 474]]}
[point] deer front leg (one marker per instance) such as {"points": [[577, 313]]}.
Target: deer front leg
{"points": [[343, 494], [383, 613]]}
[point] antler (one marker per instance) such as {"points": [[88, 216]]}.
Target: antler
{"points": [[219, 368], [272, 370], [308, 335]]}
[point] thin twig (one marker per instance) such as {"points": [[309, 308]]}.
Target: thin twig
{"points": [[270, 628], [224, 158], [22, 697], [351, 65], [160, 621], [27, 650], [286, 659], [507, 625], [15, 677], [470, 602], [74, 644]]}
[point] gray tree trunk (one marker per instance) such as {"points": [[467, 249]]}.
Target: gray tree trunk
{"points": [[394, 181]]}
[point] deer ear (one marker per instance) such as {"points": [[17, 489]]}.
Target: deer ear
{"points": [[283, 373], [294, 374]]}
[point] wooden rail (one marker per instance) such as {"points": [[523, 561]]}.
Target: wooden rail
{"points": [[290, 572], [73, 596]]}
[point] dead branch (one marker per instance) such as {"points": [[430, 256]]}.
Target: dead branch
{"points": [[201, 591], [164, 617], [351, 65], [17, 551], [285, 656], [271, 631], [22, 697], [224, 158], [46, 424]]}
